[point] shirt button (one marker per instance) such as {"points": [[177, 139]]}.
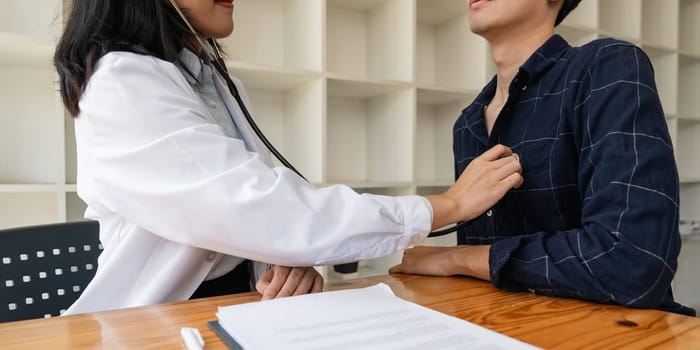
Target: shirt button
{"points": [[211, 256], [524, 87], [211, 104], [489, 213]]}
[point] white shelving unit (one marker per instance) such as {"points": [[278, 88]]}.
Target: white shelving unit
{"points": [[448, 55], [656, 17], [370, 39], [688, 87], [436, 114], [32, 165], [689, 26], [362, 92], [620, 18]]}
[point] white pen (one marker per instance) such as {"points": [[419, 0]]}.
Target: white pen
{"points": [[192, 338]]}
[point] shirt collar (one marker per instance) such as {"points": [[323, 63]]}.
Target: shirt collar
{"points": [[544, 58], [192, 65], [537, 65]]}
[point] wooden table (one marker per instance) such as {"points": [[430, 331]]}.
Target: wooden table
{"points": [[541, 321]]}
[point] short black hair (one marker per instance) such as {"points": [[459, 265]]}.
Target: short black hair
{"points": [[566, 8]]}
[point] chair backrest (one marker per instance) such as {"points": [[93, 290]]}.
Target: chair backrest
{"points": [[43, 269]]}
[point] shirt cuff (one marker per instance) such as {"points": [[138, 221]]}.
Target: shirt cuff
{"points": [[499, 254], [417, 217]]}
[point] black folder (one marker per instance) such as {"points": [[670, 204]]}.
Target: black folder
{"points": [[221, 332]]}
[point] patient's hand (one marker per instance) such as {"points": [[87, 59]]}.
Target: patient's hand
{"points": [[283, 281], [433, 261]]}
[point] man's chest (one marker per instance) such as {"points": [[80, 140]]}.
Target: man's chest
{"points": [[491, 113], [548, 149], [541, 128]]}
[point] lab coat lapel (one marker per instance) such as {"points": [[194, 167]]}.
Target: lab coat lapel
{"points": [[251, 140]]}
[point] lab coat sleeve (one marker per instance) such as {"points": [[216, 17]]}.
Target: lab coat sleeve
{"points": [[161, 165]]}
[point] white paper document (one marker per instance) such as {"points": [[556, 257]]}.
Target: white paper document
{"points": [[365, 318]]}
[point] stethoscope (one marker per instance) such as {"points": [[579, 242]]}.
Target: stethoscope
{"points": [[218, 63]]}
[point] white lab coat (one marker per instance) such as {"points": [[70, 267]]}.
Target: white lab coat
{"points": [[172, 193]]}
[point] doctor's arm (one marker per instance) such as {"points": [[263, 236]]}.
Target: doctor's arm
{"points": [[161, 165]]}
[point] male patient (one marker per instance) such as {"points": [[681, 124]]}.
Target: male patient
{"points": [[597, 215]]}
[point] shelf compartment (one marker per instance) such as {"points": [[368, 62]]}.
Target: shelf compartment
{"points": [[690, 180], [688, 87], [665, 65], [689, 26], [690, 201], [584, 16], [278, 33], [27, 188], [30, 142], [292, 119], [447, 53], [621, 18], [672, 124], [71, 150], [21, 17], [28, 208], [687, 150], [434, 183], [75, 207], [269, 78], [370, 39], [437, 112], [24, 52], [576, 36], [657, 16], [369, 135], [687, 278]]}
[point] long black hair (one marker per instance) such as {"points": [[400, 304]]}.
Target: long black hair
{"points": [[96, 27]]}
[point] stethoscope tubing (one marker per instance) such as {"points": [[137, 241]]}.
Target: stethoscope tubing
{"points": [[221, 68]]}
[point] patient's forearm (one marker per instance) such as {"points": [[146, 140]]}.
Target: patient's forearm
{"points": [[446, 261]]}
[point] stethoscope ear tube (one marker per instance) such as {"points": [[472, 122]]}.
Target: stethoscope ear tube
{"points": [[219, 65]]}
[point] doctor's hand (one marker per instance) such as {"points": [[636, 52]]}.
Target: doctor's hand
{"points": [[283, 281], [483, 183]]}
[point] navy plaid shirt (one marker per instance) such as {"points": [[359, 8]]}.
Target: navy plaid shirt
{"points": [[597, 215]]}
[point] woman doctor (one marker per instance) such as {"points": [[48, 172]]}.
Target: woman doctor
{"points": [[183, 190]]}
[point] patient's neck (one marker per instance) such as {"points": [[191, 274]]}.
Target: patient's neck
{"points": [[511, 49]]}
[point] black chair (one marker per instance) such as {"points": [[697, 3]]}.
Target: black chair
{"points": [[43, 269]]}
